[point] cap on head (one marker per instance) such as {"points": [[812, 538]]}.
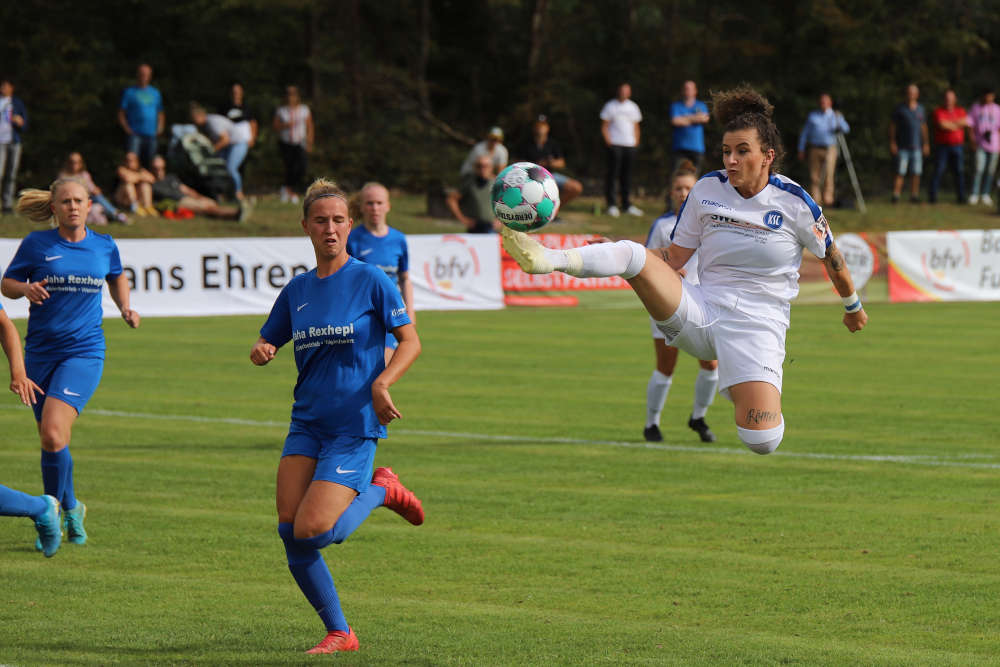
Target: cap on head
{"points": [[495, 133]]}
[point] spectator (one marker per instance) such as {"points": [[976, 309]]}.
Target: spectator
{"points": [[950, 122], [75, 167], [472, 204], [909, 143], [135, 187], [984, 117], [544, 151], [168, 187], [141, 116], [243, 119], [818, 147], [226, 142], [13, 121], [492, 146], [620, 118], [688, 117], [294, 124]]}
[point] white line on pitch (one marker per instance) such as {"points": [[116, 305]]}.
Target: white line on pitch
{"points": [[870, 458]]}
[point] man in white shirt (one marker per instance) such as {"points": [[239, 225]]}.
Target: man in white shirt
{"points": [[620, 120]]}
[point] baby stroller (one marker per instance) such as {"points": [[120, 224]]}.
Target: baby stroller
{"points": [[191, 156]]}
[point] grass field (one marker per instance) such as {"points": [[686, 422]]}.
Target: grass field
{"points": [[554, 534]]}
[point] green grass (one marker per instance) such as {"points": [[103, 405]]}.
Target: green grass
{"points": [[409, 213], [554, 535]]}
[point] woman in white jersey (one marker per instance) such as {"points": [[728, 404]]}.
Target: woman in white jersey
{"points": [[294, 124], [681, 182], [750, 226]]}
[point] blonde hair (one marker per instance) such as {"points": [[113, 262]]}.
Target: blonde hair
{"points": [[36, 205], [322, 188]]}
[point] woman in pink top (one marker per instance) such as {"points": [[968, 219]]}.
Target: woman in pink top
{"points": [[984, 118]]}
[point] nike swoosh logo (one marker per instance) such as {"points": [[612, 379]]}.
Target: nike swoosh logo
{"points": [[302, 306], [343, 472], [366, 251], [70, 393], [49, 259]]}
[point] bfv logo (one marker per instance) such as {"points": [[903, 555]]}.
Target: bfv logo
{"points": [[773, 219]]}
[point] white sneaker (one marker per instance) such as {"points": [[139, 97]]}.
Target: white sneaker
{"points": [[974, 199], [634, 210], [526, 251], [613, 211], [985, 200]]}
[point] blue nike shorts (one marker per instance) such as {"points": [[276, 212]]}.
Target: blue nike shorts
{"points": [[341, 459], [391, 342], [73, 381]]}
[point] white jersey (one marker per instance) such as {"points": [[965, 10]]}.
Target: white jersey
{"points": [[659, 237], [751, 249]]}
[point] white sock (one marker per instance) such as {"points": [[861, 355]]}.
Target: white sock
{"points": [[704, 392], [656, 396], [764, 441], [601, 260]]}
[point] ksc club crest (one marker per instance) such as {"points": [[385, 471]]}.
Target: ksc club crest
{"points": [[773, 219]]}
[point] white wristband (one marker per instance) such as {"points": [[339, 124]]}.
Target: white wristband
{"points": [[852, 303]]}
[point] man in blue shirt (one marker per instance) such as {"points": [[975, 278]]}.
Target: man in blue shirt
{"points": [[141, 116], [818, 146], [688, 117]]}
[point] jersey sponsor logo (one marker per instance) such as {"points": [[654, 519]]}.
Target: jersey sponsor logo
{"points": [[341, 471], [329, 335], [301, 306], [820, 228], [712, 202], [396, 312], [366, 251], [773, 219], [49, 259], [69, 393]]}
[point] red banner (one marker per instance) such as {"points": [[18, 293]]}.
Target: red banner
{"points": [[516, 280]]}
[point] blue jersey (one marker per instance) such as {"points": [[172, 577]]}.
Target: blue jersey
{"points": [[142, 107], [337, 325], [688, 137], [388, 252], [68, 323]]}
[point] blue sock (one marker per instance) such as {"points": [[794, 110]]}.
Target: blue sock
{"points": [[357, 512], [18, 503], [52, 473], [313, 577], [68, 497]]}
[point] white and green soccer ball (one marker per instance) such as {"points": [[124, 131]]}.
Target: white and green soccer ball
{"points": [[525, 197]]}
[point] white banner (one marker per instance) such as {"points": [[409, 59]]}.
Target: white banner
{"points": [[456, 272], [944, 265], [242, 276]]}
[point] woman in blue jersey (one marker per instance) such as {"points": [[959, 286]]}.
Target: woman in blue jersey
{"points": [[681, 182], [750, 226], [336, 317], [62, 271], [375, 242], [44, 510]]}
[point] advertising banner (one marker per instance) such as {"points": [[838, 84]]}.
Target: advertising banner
{"points": [[959, 265], [242, 276], [516, 280]]}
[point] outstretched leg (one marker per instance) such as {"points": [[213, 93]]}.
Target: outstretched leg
{"points": [[758, 417]]}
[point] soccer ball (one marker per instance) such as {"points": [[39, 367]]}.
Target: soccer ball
{"points": [[525, 197]]}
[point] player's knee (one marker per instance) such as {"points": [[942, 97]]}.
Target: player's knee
{"points": [[53, 438], [763, 441]]}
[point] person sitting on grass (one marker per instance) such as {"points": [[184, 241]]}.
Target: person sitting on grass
{"points": [[168, 187], [75, 167], [472, 204], [135, 187]]}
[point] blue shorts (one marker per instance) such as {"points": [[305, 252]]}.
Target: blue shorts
{"points": [[911, 160], [560, 179], [391, 342], [341, 459], [72, 381]]}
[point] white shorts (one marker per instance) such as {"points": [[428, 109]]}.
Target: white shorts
{"points": [[749, 349], [657, 334]]}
